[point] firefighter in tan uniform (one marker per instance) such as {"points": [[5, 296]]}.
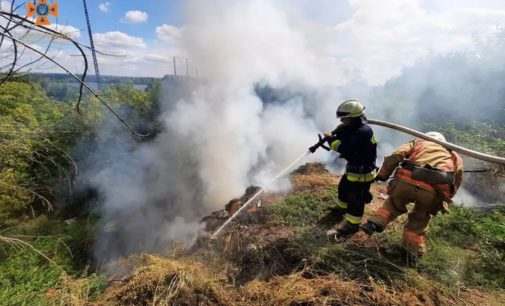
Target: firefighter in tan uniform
{"points": [[428, 175]]}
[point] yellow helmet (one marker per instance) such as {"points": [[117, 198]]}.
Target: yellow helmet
{"points": [[351, 108]]}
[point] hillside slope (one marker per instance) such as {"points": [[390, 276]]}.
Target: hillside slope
{"points": [[276, 254]]}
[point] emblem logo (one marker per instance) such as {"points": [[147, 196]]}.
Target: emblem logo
{"points": [[41, 10]]}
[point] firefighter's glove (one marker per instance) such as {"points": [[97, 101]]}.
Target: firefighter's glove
{"points": [[321, 142]]}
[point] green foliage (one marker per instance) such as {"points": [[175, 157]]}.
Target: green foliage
{"points": [[304, 208], [355, 262], [444, 263], [26, 276], [468, 247], [127, 94], [28, 151], [481, 136], [466, 228], [37, 135]]}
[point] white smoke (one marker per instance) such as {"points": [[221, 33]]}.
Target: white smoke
{"points": [[240, 44], [272, 81], [237, 131]]}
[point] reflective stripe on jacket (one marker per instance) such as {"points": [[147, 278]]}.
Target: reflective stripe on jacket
{"points": [[361, 177], [357, 144], [425, 153]]}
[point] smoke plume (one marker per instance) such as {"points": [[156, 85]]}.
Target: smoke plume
{"points": [[271, 80]]}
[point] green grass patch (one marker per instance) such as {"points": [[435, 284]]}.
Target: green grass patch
{"points": [[26, 276], [467, 246], [303, 211], [304, 208]]}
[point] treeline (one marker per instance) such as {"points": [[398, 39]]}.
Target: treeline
{"points": [[63, 87], [38, 134], [105, 79]]}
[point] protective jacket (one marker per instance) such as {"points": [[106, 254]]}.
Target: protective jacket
{"points": [[435, 160], [428, 175], [356, 144]]}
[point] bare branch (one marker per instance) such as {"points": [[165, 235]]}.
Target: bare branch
{"points": [[28, 24]]}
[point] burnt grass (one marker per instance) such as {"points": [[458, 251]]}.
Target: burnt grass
{"points": [[465, 246], [287, 248], [278, 254]]}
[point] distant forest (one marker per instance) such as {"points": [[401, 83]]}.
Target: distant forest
{"points": [[63, 87], [105, 79]]}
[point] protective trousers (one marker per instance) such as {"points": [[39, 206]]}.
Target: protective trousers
{"points": [[352, 197], [426, 204]]}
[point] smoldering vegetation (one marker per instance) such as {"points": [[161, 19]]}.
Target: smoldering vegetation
{"points": [[256, 108]]}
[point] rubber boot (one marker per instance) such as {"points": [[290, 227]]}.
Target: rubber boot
{"points": [[334, 216], [370, 227], [342, 231], [347, 230]]}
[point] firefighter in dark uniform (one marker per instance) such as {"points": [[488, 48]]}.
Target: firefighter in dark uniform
{"points": [[355, 141]]}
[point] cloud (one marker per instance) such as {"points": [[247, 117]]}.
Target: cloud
{"points": [[369, 41], [5, 5], [135, 16], [153, 57], [118, 40], [37, 38], [168, 33], [382, 38], [135, 59], [68, 30], [104, 7]]}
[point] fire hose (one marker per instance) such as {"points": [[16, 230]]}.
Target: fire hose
{"points": [[257, 194], [448, 145], [397, 127]]}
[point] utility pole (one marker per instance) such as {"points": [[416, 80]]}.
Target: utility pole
{"points": [[175, 66], [92, 43]]}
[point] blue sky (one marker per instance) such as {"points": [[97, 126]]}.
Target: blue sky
{"points": [[371, 39], [143, 34], [158, 11]]}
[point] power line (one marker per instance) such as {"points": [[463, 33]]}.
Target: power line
{"points": [[92, 44]]}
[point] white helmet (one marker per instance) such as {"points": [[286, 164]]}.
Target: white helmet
{"points": [[350, 109], [437, 135]]}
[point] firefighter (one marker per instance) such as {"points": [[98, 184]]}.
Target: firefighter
{"points": [[428, 175], [356, 143]]}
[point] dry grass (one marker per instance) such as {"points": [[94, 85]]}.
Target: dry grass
{"points": [[312, 176], [262, 262], [72, 292], [164, 282], [296, 289]]}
